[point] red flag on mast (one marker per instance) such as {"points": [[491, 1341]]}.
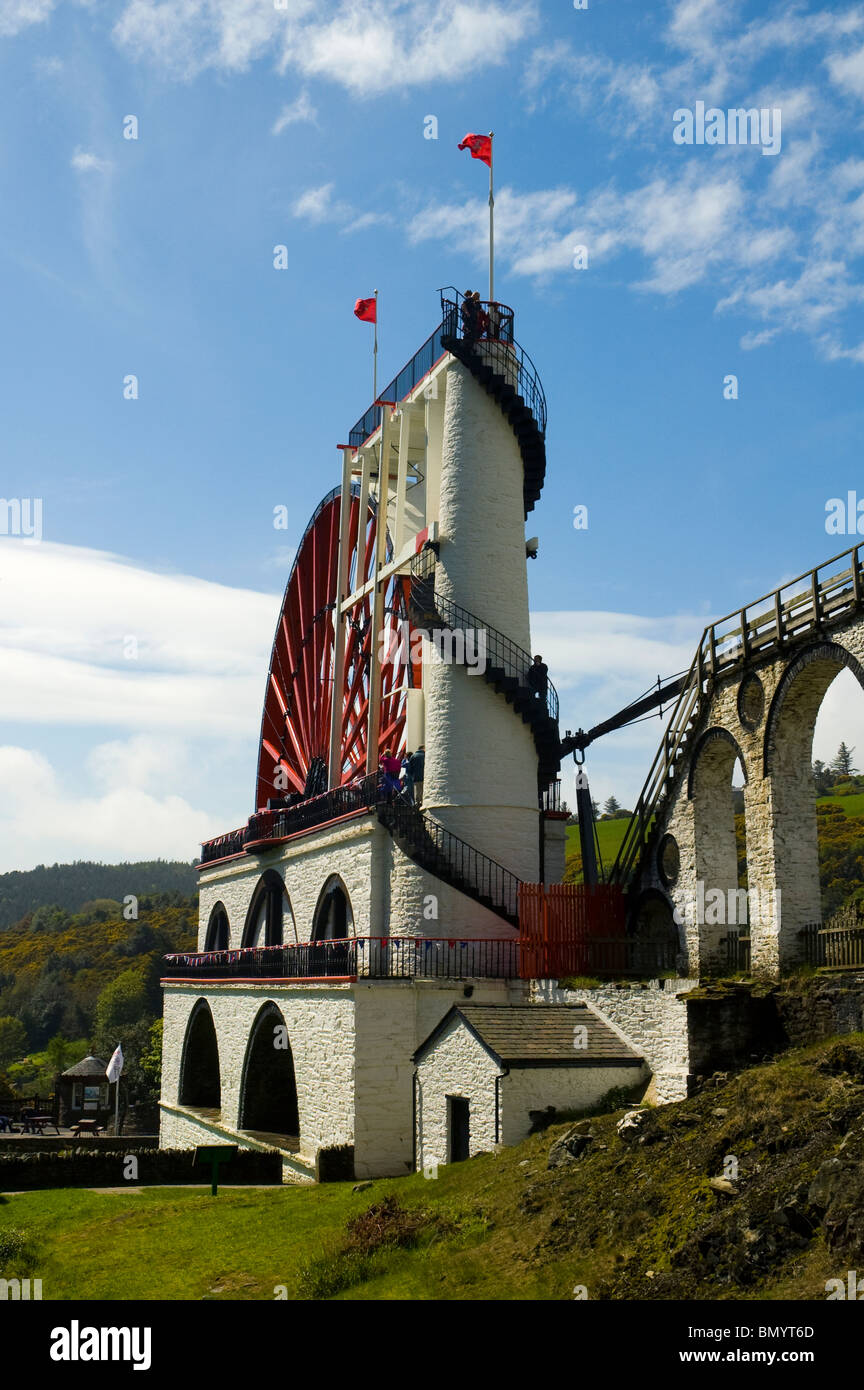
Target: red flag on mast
{"points": [[366, 309], [480, 147]]}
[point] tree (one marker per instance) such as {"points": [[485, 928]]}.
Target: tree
{"points": [[610, 806], [842, 762], [121, 1003], [821, 778], [13, 1041]]}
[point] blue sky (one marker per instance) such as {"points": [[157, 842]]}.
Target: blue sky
{"points": [[304, 127]]}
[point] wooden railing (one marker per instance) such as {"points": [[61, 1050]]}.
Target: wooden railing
{"points": [[833, 948]]}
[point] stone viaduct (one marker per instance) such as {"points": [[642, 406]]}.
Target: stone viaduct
{"points": [[752, 696]]}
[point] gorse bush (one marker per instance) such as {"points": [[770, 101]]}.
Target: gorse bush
{"points": [[19, 1250]]}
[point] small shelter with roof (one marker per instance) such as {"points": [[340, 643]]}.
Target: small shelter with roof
{"points": [[84, 1093], [486, 1068]]}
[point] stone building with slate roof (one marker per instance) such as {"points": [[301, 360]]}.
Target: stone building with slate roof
{"points": [[486, 1067]]}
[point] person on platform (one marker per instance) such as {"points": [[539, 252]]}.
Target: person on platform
{"points": [[538, 679], [392, 769], [470, 326], [482, 317], [415, 771]]}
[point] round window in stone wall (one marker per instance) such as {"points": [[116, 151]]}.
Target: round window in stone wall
{"points": [[751, 702], [668, 860]]}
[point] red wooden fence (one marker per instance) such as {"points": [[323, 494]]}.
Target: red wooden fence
{"points": [[571, 929]]}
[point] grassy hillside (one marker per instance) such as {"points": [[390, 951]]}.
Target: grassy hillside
{"points": [[626, 1220], [81, 979], [610, 834], [71, 885], [840, 822]]}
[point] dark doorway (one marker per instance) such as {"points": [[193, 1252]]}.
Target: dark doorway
{"points": [[268, 1094], [458, 1129], [334, 920], [264, 920], [218, 932], [199, 1072]]}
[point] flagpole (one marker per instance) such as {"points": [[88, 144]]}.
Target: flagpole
{"points": [[375, 355], [117, 1107], [491, 224]]}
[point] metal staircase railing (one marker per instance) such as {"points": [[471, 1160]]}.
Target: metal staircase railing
{"points": [[480, 336], [451, 859], [807, 605], [501, 652], [498, 347]]}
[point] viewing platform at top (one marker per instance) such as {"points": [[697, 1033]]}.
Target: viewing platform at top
{"points": [[482, 340]]}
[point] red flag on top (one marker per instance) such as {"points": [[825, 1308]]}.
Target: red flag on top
{"points": [[480, 147], [365, 309]]}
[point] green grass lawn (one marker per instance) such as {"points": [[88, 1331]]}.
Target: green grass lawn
{"points": [[181, 1243], [499, 1227], [850, 805], [610, 834]]}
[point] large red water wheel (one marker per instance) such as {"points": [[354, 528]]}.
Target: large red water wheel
{"points": [[295, 727]]}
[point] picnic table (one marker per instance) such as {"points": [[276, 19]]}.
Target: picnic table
{"points": [[35, 1124], [86, 1127]]}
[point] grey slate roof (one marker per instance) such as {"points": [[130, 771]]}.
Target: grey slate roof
{"points": [[88, 1066], [537, 1035]]}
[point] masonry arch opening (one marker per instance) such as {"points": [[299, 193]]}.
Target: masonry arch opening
{"points": [[717, 790], [818, 705], [218, 935], [269, 918], [268, 1090], [200, 1084]]}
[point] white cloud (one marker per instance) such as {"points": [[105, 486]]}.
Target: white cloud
{"points": [[67, 613], [847, 71], [17, 15], [86, 162], [293, 114], [318, 205], [124, 822], [367, 48]]}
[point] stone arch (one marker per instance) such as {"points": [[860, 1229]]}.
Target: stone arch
{"points": [[714, 840], [218, 934], [268, 1089], [334, 916], [791, 852], [200, 1081], [805, 683], [652, 922], [712, 736], [269, 912]]}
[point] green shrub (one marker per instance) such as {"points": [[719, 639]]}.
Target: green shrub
{"points": [[19, 1250]]}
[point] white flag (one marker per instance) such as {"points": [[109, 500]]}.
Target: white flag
{"points": [[115, 1066]]}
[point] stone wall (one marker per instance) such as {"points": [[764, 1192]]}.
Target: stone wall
{"points": [[567, 1088], [651, 1018], [390, 894]]}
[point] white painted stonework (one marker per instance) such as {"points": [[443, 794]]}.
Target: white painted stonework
{"points": [[352, 1046], [651, 1018], [458, 1064]]}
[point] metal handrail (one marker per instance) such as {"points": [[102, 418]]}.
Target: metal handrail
{"points": [[500, 351], [372, 957], [401, 386], [501, 651], [782, 616], [441, 849]]}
